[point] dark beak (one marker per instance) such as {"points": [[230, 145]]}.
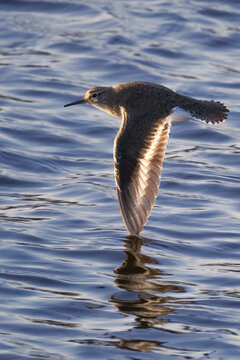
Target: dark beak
{"points": [[81, 101]]}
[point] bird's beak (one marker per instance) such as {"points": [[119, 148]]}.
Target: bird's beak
{"points": [[81, 101]]}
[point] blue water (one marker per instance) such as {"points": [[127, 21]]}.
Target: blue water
{"points": [[73, 285]]}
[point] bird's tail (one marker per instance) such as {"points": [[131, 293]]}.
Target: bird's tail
{"points": [[208, 111]]}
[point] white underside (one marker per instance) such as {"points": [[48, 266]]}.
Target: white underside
{"points": [[178, 114]]}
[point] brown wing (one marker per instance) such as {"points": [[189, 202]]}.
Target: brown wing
{"points": [[138, 160]]}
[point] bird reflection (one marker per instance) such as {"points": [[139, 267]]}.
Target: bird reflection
{"points": [[145, 296]]}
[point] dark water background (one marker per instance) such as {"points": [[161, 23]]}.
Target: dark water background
{"points": [[73, 285]]}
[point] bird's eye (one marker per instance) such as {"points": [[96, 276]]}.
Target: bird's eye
{"points": [[94, 95]]}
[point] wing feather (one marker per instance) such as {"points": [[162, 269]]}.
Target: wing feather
{"points": [[138, 172]]}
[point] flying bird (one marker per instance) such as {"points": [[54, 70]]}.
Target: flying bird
{"points": [[147, 111]]}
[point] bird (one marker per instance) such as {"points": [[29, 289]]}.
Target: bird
{"points": [[147, 111]]}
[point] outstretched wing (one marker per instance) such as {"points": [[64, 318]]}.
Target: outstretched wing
{"points": [[138, 159]]}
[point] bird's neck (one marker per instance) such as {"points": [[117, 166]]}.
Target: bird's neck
{"points": [[113, 110]]}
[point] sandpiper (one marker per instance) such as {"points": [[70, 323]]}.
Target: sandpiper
{"points": [[147, 111]]}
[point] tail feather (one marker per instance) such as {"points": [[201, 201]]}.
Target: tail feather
{"points": [[208, 111]]}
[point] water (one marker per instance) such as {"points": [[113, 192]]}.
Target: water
{"points": [[73, 285]]}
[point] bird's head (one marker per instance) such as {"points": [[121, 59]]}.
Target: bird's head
{"points": [[102, 98]]}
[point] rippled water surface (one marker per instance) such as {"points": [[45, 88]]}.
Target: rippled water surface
{"points": [[73, 285]]}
